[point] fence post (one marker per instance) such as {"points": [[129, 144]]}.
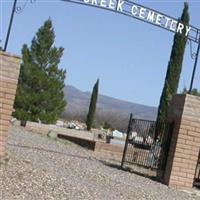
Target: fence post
{"points": [[126, 142], [185, 141], [9, 72]]}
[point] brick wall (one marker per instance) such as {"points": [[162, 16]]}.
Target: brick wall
{"points": [[9, 72], [185, 143], [43, 129]]}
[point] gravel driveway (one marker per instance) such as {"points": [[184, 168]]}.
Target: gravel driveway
{"points": [[43, 168]]}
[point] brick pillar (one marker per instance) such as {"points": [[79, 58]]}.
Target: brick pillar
{"points": [[9, 72], [185, 142]]}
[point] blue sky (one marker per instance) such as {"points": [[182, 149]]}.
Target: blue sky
{"points": [[128, 56]]}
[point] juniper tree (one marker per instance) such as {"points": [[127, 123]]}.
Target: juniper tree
{"points": [[92, 107], [174, 69], [40, 95]]}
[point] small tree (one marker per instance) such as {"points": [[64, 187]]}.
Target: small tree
{"points": [[173, 70], [40, 95], [92, 108], [106, 125]]}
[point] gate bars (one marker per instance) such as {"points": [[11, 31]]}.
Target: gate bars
{"points": [[141, 146]]}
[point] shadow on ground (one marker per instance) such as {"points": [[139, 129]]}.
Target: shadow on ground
{"points": [[49, 151], [130, 170]]}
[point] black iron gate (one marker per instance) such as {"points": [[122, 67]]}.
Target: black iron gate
{"points": [[147, 143], [197, 174]]}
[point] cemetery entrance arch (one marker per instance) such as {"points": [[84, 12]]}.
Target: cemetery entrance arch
{"points": [[148, 15]]}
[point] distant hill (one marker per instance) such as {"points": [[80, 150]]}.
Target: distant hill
{"points": [[114, 111]]}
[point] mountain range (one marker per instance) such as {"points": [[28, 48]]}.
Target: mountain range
{"points": [[111, 110]]}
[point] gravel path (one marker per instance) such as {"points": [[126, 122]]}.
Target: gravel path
{"points": [[43, 168]]}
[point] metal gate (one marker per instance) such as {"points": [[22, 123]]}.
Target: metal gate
{"points": [[197, 174], [147, 143]]}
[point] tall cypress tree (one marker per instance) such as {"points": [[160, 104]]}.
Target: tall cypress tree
{"points": [[40, 95], [92, 108], [173, 70]]}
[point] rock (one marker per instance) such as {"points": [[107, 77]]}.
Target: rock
{"points": [[52, 134]]}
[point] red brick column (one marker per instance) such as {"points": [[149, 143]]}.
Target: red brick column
{"points": [[185, 142], [9, 72]]}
